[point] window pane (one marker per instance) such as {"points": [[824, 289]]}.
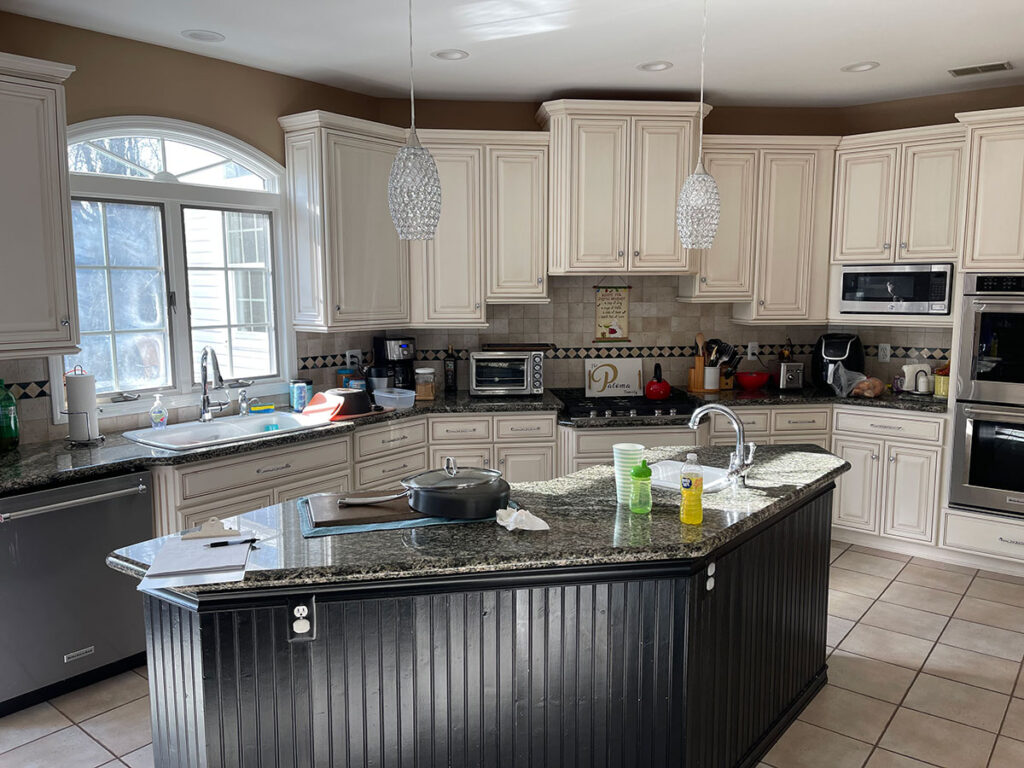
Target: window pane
{"points": [[230, 174], [207, 297], [216, 338], [83, 158], [204, 237], [252, 352], [139, 150], [249, 300], [95, 358], [134, 235], [182, 158], [93, 310], [139, 299], [87, 225], [142, 360]]}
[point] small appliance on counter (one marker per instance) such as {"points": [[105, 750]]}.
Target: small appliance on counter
{"points": [[834, 348], [791, 375], [506, 372], [918, 379], [398, 357], [898, 289]]}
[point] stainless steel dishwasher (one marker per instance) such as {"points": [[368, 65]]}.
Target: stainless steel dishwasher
{"points": [[63, 612]]}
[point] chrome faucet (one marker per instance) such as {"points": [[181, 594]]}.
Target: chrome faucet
{"points": [[245, 402], [742, 458], [207, 408]]}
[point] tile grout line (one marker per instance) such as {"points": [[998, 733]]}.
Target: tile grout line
{"points": [[61, 730], [105, 711]]}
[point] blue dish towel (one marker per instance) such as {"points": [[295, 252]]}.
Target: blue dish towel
{"points": [[308, 531]]}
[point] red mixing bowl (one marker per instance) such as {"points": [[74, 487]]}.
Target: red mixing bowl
{"points": [[751, 380]]}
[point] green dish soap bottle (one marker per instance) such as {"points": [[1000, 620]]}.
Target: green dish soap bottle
{"points": [[8, 420], [640, 501]]}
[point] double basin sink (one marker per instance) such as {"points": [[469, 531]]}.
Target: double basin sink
{"points": [[190, 435]]}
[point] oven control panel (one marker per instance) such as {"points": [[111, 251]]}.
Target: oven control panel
{"points": [[1000, 284]]}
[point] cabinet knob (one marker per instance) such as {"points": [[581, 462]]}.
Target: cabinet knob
{"points": [[337, 307], [540, 281], [636, 253], [65, 322], [501, 462], [621, 254], [477, 305], [903, 245], [874, 457], [886, 246], [761, 302], [703, 279], [892, 459]]}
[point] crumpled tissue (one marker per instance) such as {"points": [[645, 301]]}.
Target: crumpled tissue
{"points": [[520, 520]]}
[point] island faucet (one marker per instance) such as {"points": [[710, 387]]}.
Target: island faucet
{"points": [[743, 457], [207, 408]]}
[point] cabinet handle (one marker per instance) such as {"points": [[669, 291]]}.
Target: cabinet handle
{"points": [[621, 254], [540, 281], [874, 457], [487, 462], [1011, 541], [703, 279], [501, 462], [891, 427], [337, 307], [886, 246], [903, 245], [636, 253], [65, 322], [799, 421], [892, 459], [398, 439], [761, 302], [477, 305], [523, 429], [268, 470]]}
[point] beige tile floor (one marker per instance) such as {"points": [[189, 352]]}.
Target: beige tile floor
{"points": [[924, 670]]}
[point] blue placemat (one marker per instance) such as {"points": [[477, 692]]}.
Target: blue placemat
{"points": [[308, 531]]}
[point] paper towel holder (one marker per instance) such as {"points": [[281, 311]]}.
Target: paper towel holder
{"points": [[98, 440]]}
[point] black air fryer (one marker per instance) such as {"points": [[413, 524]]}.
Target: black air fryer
{"points": [[832, 348]]}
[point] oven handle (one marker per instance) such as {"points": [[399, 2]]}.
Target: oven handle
{"points": [[981, 306], [971, 411]]}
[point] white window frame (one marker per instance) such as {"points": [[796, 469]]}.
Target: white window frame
{"points": [[173, 196]]}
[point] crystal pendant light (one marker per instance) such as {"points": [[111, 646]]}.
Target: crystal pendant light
{"points": [[414, 188], [699, 206]]}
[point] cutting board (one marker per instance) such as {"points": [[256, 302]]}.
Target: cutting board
{"points": [[325, 512]]}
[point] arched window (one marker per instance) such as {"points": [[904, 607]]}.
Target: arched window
{"points": [[176, 239]]}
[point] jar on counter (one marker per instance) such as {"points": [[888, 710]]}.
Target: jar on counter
{"points": [[297, 394], [425, 384]]}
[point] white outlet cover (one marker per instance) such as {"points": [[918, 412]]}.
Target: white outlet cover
{"points": [[884, 353], [752, 350]]}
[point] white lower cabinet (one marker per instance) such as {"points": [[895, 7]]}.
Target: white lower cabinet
{"points": [[464, 455], [582, 448], [519, 445], [911, 491], [525, 463], [329, 483], [856, 497]]}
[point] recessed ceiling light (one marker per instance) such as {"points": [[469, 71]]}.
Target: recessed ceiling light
{"points": [[203, 35], [860, 66], [654, 66], [450, 54]]}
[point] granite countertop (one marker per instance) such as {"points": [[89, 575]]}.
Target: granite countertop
{"points": [[587, 528], [42, 465]]}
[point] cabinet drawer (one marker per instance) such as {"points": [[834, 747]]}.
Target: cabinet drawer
{"points": [[599, 442], [237, 506], [754, 422], [392, 469], [394, 437], [815, 420], [262, 467], [458, 429], [538, 427], [886, 424], [328, 483], [988, 535], [822, 441]]}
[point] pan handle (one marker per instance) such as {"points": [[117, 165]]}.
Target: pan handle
{"points": [[357, 500]]}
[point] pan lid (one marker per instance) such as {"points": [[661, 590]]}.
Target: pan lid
{"points": [[451, 476]]}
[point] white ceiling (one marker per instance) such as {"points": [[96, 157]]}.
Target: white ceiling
{"points": [[760, 52]]}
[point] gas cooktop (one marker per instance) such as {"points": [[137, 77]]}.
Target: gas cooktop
{"points": [[579, 406]]}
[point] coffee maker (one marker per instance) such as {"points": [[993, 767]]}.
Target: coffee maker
{"points": [[832, 348], [398, 356]]}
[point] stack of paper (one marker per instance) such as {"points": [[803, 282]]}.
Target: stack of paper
{"points": [[192, 562]]}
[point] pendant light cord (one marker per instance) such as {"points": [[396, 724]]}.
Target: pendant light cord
{"points": [[703, 48], [412, 84]]}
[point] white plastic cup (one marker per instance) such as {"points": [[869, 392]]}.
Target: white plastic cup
{"points": [[626, 456], [711, 378]]}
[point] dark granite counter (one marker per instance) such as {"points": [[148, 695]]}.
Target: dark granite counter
{"points": [[587, 528], [42, 465]]}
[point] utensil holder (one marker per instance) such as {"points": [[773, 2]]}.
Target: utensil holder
{"points": [[711, 378]]}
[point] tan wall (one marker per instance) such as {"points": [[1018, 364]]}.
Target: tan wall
{"points": [[117, 76]]}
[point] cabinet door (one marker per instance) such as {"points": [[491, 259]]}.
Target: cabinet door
{"points": [[465, 456], [598, 204], [995, 210], [367, 265], [726, 270], [526, 463], [660, 164], [865, 193], [911, 491], [448, 271], [929, 224], [334, 482], [857, 492], [195, 516], [784, 235], [36, 310], [517, 215]]}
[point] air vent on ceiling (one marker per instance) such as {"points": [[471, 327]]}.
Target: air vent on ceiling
{"points": [[981, 69]]}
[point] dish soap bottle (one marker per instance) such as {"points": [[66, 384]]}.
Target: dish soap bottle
{"points": [[691, 485], [158, 414], [8, 420], [640, 500]]}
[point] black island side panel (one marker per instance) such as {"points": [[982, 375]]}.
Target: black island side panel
{"points": [[631, 672]]}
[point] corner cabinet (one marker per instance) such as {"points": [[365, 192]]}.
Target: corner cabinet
{"points": [[898, 196], [350, 270], [995, 189], [794, 191], [38, 306], [616, 171]]}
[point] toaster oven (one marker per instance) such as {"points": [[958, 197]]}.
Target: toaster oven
{"points": [[506, 373]]}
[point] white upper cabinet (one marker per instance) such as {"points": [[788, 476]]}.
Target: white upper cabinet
{"points": [[350, 270], [995, 182], [725, 272], [616, 171], [898, 196], [38, 308], [448, 272]]}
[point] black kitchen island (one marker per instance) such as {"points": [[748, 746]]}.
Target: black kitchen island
{"points": [[611, 640]]}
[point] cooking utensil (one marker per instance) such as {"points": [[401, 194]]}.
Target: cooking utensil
{"points": [[718, 352], [657, 388], [354, 401], [700, 344], [465, 493], [752, 380], [730, 363]]}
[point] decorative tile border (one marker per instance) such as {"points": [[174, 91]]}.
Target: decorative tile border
{"points": [[26, 390]]}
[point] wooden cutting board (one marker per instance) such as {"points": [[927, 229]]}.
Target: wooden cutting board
{"points": [[325, 512]]}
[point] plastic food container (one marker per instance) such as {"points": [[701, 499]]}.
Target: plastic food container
{"points": [[424, 383], [391, 397]]}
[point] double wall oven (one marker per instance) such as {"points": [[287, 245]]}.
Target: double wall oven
{"points": [[988, 451]]}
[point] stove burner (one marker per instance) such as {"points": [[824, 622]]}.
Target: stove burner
{"points": [[578, 406]]}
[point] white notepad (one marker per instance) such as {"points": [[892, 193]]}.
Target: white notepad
{"points": [[187, 562]]}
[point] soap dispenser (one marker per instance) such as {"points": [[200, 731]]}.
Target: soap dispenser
{"points": [[158, 414]]}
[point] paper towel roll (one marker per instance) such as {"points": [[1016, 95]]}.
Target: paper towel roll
{"points": [[83, 416]]}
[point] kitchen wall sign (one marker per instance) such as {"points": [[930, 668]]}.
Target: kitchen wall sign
{"points": [[611, 309], [614, 378]]}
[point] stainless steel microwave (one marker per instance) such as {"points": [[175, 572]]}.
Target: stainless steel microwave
{"points": [[506, 373], [896, 289]]}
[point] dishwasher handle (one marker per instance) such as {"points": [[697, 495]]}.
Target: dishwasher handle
{"points": [[76, 502]]}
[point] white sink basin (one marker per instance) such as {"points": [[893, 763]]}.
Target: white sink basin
{"points": [[665, 474], [227, 429]]}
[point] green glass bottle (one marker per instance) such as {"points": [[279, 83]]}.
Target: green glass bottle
{"points": [[8, 420]]}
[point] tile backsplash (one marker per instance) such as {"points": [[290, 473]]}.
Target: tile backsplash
{"points": [[661, 329]]}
